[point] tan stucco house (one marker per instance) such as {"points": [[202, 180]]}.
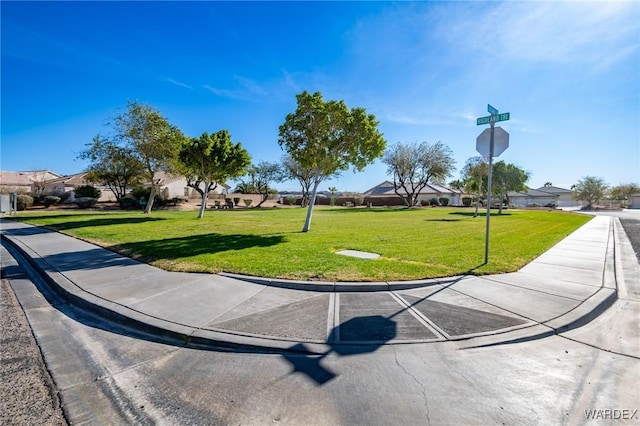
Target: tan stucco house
{"points": [[384, 194]]}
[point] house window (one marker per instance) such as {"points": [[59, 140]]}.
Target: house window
{"points": [[186, 191]]}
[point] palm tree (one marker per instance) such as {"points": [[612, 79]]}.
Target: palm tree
{"points": [[333, 190]]}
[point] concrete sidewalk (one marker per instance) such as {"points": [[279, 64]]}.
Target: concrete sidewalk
{"points": [[564, 288]]}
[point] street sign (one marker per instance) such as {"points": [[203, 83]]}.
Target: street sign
{"points": [[500, 142], [491, 110], [495, 118]]}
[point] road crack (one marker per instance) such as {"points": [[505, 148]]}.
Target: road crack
{"points": [[424, 391]]}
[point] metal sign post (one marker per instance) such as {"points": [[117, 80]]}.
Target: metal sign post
{"points": [[490, 175], [481, 147]]}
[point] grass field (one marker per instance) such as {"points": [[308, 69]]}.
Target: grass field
{"points": [[413, 243]]}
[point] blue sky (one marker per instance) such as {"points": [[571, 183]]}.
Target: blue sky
{"points": [[568, 72]]}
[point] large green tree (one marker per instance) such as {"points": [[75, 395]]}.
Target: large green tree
{"points": [[210, 160], [590, 189], [115, 166], [413, 166], [507, 177], [326, 137], [155, 142]]}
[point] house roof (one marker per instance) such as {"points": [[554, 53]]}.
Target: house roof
{"points": [[77, 179], [15, 179], [531, 193], [554, 190], [26, 178], [386, 188]]}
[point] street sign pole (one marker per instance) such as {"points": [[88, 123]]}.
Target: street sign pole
{"points": [[481, 147], [486, 237]]}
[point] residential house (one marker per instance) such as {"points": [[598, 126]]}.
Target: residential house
{"points": [[28, 182], [565, 196], [634, 201], [68, 183], [532, 198], [171, 186], [384, 194]]}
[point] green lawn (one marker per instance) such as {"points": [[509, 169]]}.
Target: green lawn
{"points": [[413, 244]]}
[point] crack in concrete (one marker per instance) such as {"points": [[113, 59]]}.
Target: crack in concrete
{"points": [[424, 391]]}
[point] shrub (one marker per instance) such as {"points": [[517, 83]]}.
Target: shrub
{"points": [[24, 202], [247, 202], [66, 196], [85, 202], [358, 199], [444, 201], [37, 199], [433, 201], [236, 200], [466, 201], [140, 191], [50, 200], [228, 202], [291, 200], [87, 191], [424, 203], [127, 203]]}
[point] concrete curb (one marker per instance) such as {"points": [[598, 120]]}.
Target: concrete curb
{"points": [[206, 338], [162, 330], [327, 286]]}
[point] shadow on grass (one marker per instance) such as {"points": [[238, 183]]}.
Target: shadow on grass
{"points": [[176, 248], [355, 210], [98, 221], [480, 214], [443, 220]]}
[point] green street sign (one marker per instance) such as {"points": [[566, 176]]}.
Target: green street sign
{"points": [[495, 118]]}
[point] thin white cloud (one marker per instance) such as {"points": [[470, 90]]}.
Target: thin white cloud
{"points": [[247, 89], [290, 81], [416, 120], [224, 93], [178, 83], [250, 86], [563, 32]]}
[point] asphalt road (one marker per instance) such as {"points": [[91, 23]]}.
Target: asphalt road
{"points": [[630, 220], [28, 392], [107, 375]]}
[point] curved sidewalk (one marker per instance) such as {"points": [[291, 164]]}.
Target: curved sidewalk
{"points": [[564, 288]]}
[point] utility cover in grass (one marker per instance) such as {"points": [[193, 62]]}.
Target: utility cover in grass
{"points": [[358, 254]]}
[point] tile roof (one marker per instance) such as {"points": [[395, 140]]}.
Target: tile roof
{"points": [[15, 178], [554, 190], [386, 188]]}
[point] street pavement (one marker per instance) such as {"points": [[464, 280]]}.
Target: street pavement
{"points": [[563, 289]]}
